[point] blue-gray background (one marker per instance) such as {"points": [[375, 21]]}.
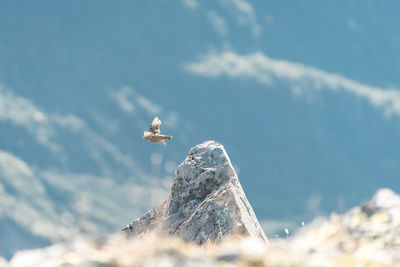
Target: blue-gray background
{"points": [[302, 94]]}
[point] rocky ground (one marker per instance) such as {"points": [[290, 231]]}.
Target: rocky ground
{"points": [[365, 236], [207, 221]]}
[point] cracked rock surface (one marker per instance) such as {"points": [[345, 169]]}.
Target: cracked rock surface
{"points": [[206, 201]]}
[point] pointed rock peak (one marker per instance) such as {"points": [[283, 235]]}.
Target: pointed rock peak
{"points": [[206, 201]]}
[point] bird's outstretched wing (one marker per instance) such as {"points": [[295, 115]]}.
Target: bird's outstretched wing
{"points": [[155, 126]]}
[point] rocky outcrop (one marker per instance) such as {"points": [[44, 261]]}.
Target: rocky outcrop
{"points": [[370, 232], [206, 201]]}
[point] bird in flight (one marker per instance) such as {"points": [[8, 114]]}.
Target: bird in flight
{"points": [[153, 134]]}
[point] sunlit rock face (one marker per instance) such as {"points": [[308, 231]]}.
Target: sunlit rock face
{"points": [[206, 201]]}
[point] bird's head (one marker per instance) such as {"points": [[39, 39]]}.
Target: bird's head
{"points": [[146, 134]]}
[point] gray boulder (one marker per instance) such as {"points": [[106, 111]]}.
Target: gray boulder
{"points": [[206, 201]]}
